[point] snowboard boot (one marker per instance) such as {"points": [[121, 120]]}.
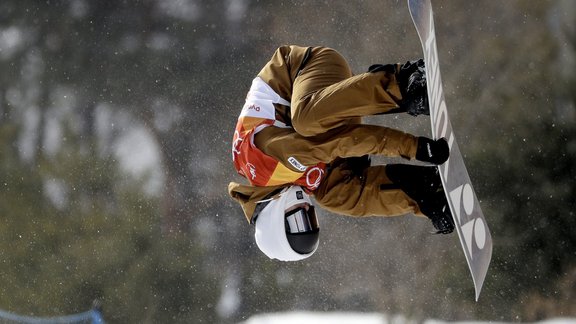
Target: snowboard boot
{"points": [[412, 82], [415, 180], [436, 208], [423, 184]]}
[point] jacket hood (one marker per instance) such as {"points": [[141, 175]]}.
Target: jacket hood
{"points": [[248, 196]]}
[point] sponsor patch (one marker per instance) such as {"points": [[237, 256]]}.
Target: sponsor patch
{"points": [[299, 166]]}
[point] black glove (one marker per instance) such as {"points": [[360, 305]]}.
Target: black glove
{"points": [[357, 164], [433, 151]]}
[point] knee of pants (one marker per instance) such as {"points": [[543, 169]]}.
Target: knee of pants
{"points": [[304, 124]]}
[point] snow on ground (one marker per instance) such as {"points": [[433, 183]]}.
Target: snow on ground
{"points": [[322, 318], [360, 318]]}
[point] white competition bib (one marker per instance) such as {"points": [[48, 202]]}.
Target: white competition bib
{"points": [[260, 102]]}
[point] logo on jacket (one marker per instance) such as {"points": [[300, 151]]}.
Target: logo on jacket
{"points": [[252, 170], [295, 163], [236, 144], [314, 177], [254, 107]]}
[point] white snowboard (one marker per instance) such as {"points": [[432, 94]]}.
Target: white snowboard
{"points": [[468, 217]]}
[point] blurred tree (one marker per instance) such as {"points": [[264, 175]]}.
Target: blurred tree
{"points": [[87, 237]]}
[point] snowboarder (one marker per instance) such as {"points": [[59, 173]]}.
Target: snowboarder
{"points": [[300, 134]]}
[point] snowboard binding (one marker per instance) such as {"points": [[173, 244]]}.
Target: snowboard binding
{"points": [[439, 214], [412, 81]]}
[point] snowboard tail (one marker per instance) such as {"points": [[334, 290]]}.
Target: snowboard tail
{"points": [[469, 221]]}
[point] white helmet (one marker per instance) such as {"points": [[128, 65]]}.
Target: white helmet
{"points": [[284, 232]]}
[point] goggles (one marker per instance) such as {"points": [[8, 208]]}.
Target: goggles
{"points": [[301, 220]]}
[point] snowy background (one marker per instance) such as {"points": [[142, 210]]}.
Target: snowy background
{"points": [[116, 120]]}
